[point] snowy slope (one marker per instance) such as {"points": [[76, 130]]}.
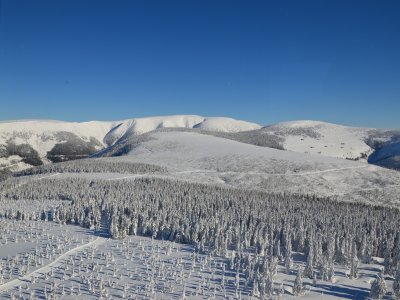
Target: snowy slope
{"points": [[25, 143], [323, 138], [363, 144], [140, 259], [209, 159], [226, 125]]}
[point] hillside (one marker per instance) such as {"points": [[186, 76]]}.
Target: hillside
{"points": [[210, 159], [352, 143], [31, 143], [197, 214]]}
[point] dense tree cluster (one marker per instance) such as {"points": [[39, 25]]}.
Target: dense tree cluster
{"points": [[25, 151], [254, 229], [93, 166], [4, 174]]}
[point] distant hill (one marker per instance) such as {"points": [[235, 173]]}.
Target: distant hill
{"points": [[34, 142]]}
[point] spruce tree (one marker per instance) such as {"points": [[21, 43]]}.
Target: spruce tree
{"points": [[354, 262], [378, 288], [396, 285], [309, 270], [298, 288]]}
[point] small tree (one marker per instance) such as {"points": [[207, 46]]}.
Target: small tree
{"points": [[298, 288], [378, 288], [269, 285], [354, 262], [396, 285], [309, 270], [288, 263]]}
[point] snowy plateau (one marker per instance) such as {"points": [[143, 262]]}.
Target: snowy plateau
{"points": [[192, 207]]}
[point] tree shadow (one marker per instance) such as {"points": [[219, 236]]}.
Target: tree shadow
{"points": [[347, 292]]}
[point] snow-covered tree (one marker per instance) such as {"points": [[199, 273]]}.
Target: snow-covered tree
{"points": [[378, 288], [396, 285], [298, 288], [354, 262]]}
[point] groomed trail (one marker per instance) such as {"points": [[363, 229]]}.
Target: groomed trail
{"points": [[55, 263], [275, 174]]}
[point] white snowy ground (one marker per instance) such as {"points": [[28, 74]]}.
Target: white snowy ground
{"points": [[323, 138], [43, 135], [209, 159], [146, 269], [29, 246], [85, 266]]}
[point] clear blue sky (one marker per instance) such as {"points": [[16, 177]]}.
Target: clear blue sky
{"points": [[262, 61]]}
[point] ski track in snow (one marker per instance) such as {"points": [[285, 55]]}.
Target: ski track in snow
{"points": [[273, 174], [328, 170], [55, 263], [134, 176], [47, 176], [39, 178], [129, 177]]}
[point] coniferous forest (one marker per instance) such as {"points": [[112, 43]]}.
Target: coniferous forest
{"points": [[254, 230]]}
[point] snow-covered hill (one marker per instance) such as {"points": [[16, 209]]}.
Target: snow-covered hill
{"points": [[323, 138], [364, 144], [33, 142], [239, 241], [209, 159]]}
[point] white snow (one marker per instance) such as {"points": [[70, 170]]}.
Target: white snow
{"points": [[144, 268], [99, 129], [226, 125], [331, 140], [41, 134], [208, 159]]}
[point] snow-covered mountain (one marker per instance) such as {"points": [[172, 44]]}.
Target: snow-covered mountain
{"points": [[33, 142], [363, 144], [205, 158], [322, 138], [251, 198]]}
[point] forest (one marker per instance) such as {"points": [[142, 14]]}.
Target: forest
{"points": [[255, 230]]}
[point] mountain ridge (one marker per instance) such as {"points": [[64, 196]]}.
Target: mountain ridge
{"points": [[26, 143]]}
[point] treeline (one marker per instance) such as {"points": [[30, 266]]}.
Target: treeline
{"points": [[93, 166], [259, 228]]}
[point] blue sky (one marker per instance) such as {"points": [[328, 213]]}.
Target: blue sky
{"points": [[262, 61]]}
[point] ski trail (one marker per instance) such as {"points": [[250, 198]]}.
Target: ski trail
{"points": [[46, 176], [327, 171], [273, 174], [34, 179], [129, 177], [55, 263], [134, 176]]}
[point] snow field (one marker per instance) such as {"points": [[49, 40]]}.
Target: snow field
{"points": [[144, 268]]}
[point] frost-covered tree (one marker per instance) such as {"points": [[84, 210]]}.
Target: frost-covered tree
{"points": [[378, 288], [396, 285], [288, 264], [309, 269], [354, 262], [216, 220], [298, 288]]}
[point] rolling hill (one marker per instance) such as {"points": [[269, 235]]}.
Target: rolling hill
{"points": [[30, 143]]}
